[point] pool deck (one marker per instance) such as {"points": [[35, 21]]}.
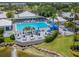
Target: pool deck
{"points": [[14, 28], [27, 40]]}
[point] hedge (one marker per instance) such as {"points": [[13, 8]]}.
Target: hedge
{"points": [[51, 37]]}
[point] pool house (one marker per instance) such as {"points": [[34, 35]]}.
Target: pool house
{"points": [[28, 16]]}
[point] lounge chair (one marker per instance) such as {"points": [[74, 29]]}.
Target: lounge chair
{"points": [[32, 38]]}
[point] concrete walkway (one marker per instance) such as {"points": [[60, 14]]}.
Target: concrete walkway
{"points": [[14, 52]]}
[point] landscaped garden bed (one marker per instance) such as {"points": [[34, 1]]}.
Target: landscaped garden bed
{"points": [[75, 51]]}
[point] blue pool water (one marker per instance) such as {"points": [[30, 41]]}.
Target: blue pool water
{"points": [[20, 27]]}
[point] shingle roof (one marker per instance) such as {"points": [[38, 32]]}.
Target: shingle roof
{"points": [[67, 14]]}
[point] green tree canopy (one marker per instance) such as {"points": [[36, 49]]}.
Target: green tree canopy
{"points": [[1, 30], [1, 39], [43, 10], [76, 9], [12, 37], [69, 24], [9, 14]]}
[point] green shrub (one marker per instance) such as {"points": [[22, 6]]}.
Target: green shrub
{"points": [[77, 28], [1, 39], [1, 30], [76, 37], [12, 37], [50, 38], [75, 53], [1, 35], [9, 14]]}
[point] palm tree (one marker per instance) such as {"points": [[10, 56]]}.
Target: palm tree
{"points": [[75, 30], [69, 25], [54, 16], [74, 27]]}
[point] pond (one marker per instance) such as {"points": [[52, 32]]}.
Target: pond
{"points": [[5, 52], [29, 52]]}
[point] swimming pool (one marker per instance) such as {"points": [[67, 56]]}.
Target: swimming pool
{"points": [[20, 27]]}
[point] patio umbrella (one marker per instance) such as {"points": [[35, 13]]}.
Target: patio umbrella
{"points": [[54, 27], [48, 30]]}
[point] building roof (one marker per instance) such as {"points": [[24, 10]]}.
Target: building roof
{"points": [[23, 15], [68, 14], [3, 15], [5, 22], [27, 14], [60, 19]]}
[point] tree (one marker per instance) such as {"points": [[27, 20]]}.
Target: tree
{"points": [[43, 9], [77, 28], [1, 30], [69, 25], [1, 39], [66, 9], [54, 16], [9, 14], [76, 9], [12, 37]]}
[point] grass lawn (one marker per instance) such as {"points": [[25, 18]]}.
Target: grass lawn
{"points": [[8, 40], [60, 45]]}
